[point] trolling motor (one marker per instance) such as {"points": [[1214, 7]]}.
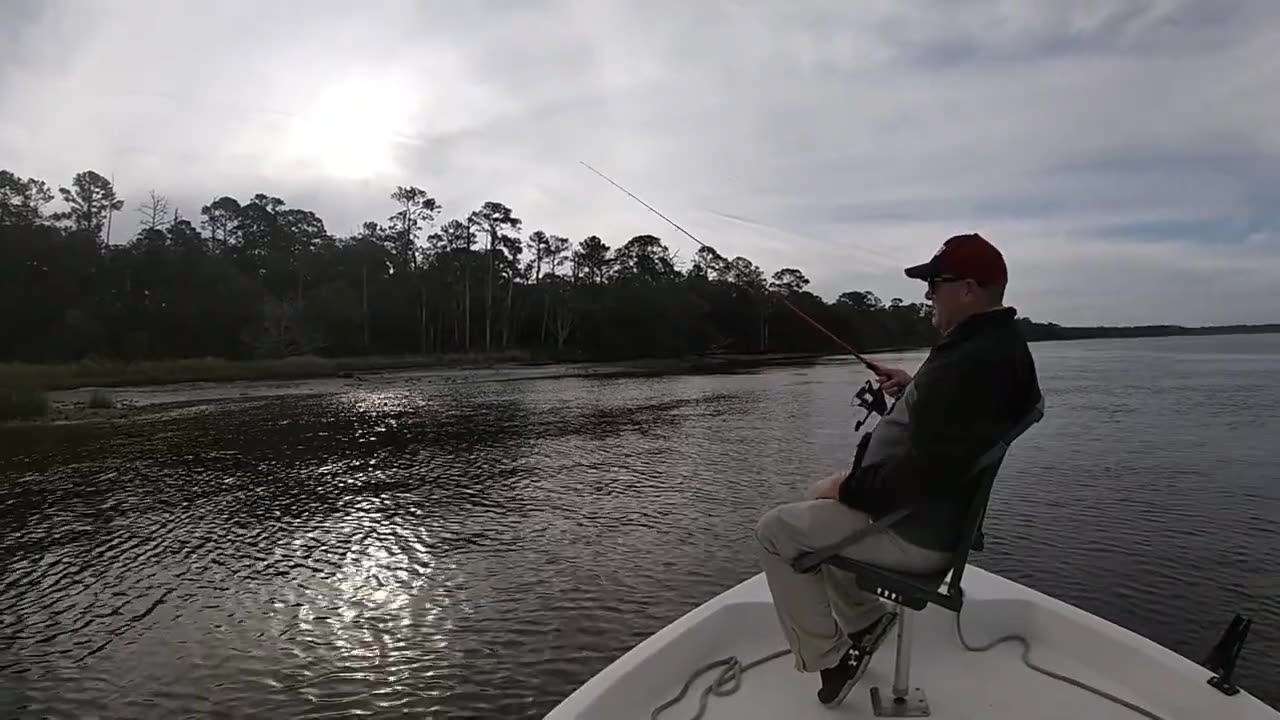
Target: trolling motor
{"points": [[1222, 658], [870, 398]]}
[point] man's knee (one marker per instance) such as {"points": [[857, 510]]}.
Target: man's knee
{"points": [[779, 531], [767, 528]]}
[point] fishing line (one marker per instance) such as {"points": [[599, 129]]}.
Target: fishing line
{"points": [[873, 367], [893, 262]]}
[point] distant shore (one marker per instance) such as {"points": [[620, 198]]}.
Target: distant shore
{"points": [[1035, 331], [26, 389], [117, 374], [66, 376], [84, 391], [107, 373]]}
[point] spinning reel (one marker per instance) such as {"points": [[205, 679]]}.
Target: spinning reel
{"points": [[870, 398]]}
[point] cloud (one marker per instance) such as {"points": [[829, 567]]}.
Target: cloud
{"points": [[1122, 154]]}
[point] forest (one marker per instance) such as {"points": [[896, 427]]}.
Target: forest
{"points": [[86, 274]]}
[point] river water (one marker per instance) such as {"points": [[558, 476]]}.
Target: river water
{"points": [[479, 548]]}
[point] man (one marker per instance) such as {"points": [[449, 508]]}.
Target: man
{"points": [[977, 383]]}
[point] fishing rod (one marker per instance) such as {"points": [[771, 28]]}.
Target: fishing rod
{"points": [[873, 367]]}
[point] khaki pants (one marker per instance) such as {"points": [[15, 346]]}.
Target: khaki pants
{"points": [[819, 610]]}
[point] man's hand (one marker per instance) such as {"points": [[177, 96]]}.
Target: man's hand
{"points": [[828, 487], [892, 380]]}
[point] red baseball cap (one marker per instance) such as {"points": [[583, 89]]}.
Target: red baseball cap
{"points": [[964, 256]]}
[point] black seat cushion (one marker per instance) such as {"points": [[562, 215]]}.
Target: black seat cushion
{"points": [[908, 589]]}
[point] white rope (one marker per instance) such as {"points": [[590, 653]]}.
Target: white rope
{"points": [[1026, 660], [729, 680], [725, 684]]}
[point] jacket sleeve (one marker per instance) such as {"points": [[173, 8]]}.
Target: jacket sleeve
{"points": [[957, 415]]}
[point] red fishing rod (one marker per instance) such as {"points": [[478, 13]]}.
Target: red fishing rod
{"points": [[873, 367]]}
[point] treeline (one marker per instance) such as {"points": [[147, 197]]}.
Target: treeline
{"points": [[89, 276], [1050, 331]]}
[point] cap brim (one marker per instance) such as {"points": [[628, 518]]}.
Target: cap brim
{"points": [[923, 271]]}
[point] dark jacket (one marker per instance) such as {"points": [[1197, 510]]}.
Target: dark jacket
{"points": [[976, 384]]}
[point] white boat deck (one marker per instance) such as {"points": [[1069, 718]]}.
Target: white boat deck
{"points": [[958, 683]]}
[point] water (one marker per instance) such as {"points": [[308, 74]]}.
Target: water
{"points": [[479, 549]]}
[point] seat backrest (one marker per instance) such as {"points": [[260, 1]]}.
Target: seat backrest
{"points": [[984, 471]]}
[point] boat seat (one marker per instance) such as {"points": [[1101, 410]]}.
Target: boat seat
{"points": [[907, 589], [914, 592]]}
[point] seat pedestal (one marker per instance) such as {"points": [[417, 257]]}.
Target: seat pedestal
{"points": [[904, 700], [912, 705]]}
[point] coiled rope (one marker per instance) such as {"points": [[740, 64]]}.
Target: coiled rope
{"points": [[729, 680]]}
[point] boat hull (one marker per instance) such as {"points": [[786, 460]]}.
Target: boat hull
{"points": [[957, 683]]}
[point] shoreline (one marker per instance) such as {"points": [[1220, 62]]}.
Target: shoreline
{"points": [[106, 392], [35, 394], [89, 375], [152, 373]]}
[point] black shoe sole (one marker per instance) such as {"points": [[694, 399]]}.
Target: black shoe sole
{"points": [[844, 691], [874, 641]]}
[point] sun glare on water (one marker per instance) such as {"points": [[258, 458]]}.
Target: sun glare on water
{"points": [[351, 129]]}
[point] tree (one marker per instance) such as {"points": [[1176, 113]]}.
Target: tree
{"points": [[256, 225], [552, 249], [22, 201], [538, 245], [417, 210], [557, 249], [860, 300], [746, 273], [90, 200], [266, 279], [183, 236], [593, 260], [220, 221], [750, 278], [298, 233], [563, 313], [789, 281], [511, 251], [494, 222], [710, 264], [154, 212], [644, 258], [458, 238], [368, 248]]}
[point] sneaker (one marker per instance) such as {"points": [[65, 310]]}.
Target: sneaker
{"points": [[840, 678], [872, 636]]}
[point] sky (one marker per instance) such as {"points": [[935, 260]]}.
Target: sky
{"points": [[1122, 154]]}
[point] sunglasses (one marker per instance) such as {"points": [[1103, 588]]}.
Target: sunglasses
{"points": [[934, 282]]}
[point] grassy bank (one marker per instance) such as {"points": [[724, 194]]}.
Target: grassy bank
{"points": [[22, 403], [709, 363], [32, 377], [32, 380], [27, 391]]}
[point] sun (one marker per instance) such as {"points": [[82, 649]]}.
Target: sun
{"points": [[351, 129]]}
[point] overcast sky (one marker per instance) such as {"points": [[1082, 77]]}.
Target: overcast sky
{"points": [[1122, 154]]}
